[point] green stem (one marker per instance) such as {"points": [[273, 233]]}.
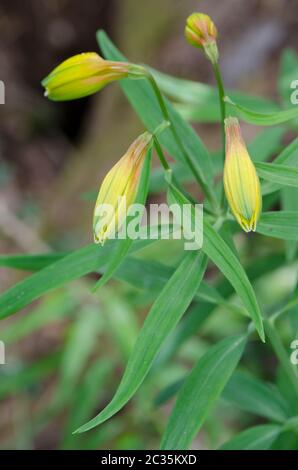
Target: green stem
{"points": [[167, 117], [281, 353], [159, 129], [161, 156], [166, 167], [222, 105]]}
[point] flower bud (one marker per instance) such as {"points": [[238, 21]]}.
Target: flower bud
{"points": [[241, 182], [119, 189], [82, 75], [200, 31]]}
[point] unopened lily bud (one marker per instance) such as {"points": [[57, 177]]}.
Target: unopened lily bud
{"points": [[83, 75], [200, 31], [119, 189], [241, 182]]}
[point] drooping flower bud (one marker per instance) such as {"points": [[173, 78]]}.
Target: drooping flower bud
{"points": [[119, 189], [83, 75], [241, 182], [200, 31]]}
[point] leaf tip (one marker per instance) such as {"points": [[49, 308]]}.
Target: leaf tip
{"points": [[262, 334]]}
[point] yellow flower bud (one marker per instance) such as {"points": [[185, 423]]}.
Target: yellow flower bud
{"points": [[119, 189], [200, 31], [82, 75], [241, 182]]}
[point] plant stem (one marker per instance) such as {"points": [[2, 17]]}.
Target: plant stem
{"points": [[167, 117], [166, 167], [159, 129], [222, 106], [281, 353], [160, 154]]}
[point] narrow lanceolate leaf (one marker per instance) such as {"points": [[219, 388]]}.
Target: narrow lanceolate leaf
{"points": [[265, 144], [197, 314], [84, 332], [23, 377], [152, 276], [264, 119], [140, 273], [287, 74], [199, 102], [124, 245], [256, 438], [289, 198], [161, 320], [30, 262], [288, 157], [85, 398], [280, 174], [280, 224], [79, 263], [58, 305], [200, 391], [257, 397], [223, 257], [143, 100]]}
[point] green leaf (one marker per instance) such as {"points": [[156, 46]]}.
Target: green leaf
{"points": [[262, 119], [121, 324], [168, 392], [30, 262], [152, 275], [143, 100], [86, 397], [79, 263], [190, 324], [223, 257], [124, 245], [200, 391], [288, 73], [165, 313], [83, 333], [288, 157], [289, 197], [196, 316], [256, 438], [266, 143], [280, 174], [140, 273], [280, 224], [58, 305], [257, 397], [26, 375], [180, 172], [199, 102]]}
